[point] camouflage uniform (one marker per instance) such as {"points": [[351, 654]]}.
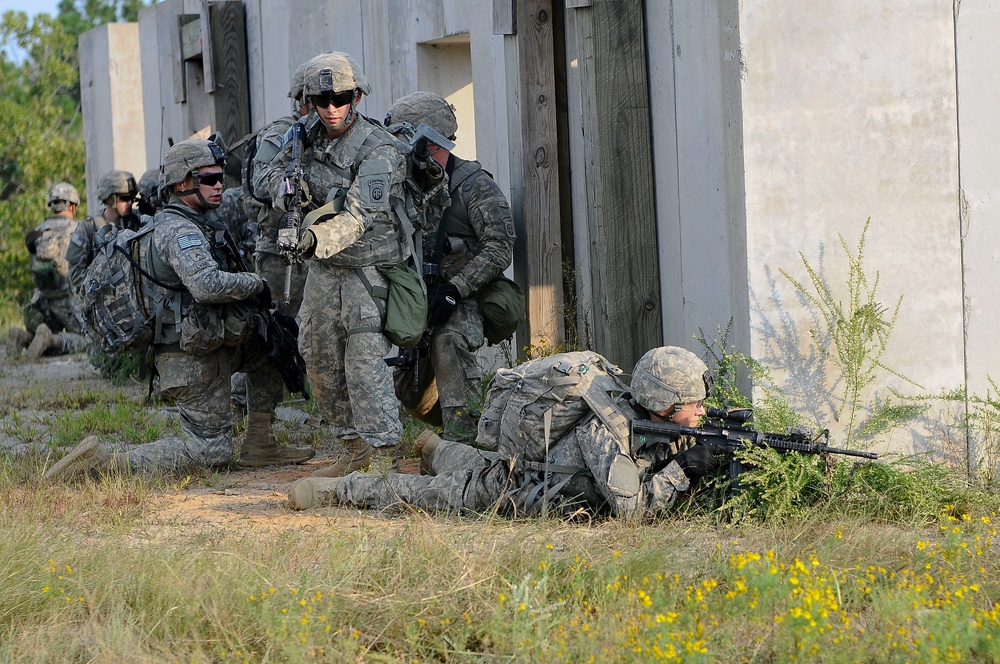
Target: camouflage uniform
{"points": [[52, 302], [83, 245], [476, 480], [341, 336], [185, 249], [480, 246]]}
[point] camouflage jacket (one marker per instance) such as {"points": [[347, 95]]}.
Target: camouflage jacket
{"points": [[365, 166], [478, 226], [269, 142], [49, 268]]}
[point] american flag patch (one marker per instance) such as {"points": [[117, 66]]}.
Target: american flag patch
{"points": [[188, 241]]}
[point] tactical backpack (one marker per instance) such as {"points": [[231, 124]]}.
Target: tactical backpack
{"points": [[531, 406], [114, 307]]}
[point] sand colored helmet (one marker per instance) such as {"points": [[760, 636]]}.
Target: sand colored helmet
{"points": [[424, 108], [116, 182], [298, 81], [62, 195], [186, 157], [334, 72], [669, 376]]}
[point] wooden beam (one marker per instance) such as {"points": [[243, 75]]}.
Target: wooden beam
{"points": [[190, 36], [231, 95], [624, 263], [542, 244]]}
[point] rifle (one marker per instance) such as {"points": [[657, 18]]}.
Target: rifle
{"points": [[726, 431], [288, 234], [279, 330]]}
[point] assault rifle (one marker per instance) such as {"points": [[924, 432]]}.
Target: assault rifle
{"points": [[279, 330], [726, 431], [288, 234]]}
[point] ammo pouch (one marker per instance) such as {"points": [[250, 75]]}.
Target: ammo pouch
{"points": [[502, 305], [202, 329], [402, 304], [240, 322]]}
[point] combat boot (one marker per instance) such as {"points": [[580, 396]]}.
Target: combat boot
{"points": [[357, 457], [261, 449], [88, 455], [424, 446], [17, 340], [45, 340], [314, 492]]}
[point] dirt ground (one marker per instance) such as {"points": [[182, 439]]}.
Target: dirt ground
{"points": [[33, 394]]}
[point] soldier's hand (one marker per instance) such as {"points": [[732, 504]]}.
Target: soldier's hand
{"points": [[698, 461], [264, 298], [307, 244], [441, 303]]}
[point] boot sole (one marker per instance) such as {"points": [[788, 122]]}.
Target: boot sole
{"points": [[260, 463]]}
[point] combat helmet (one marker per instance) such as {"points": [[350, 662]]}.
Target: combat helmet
{"points": [[149, 183], [116, 182], [333, 72], [669, 376], [298, 85], [424, 108], [184, 158], [62, 195]]}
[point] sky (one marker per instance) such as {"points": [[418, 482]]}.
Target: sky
{"points": [[30, 7]]}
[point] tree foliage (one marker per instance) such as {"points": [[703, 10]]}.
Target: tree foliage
{"points": [[43, 124]]}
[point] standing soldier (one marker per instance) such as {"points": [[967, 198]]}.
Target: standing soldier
{"points": [[208, 328], [116, 190], [470, 246], [51, 327], [353, 163]]}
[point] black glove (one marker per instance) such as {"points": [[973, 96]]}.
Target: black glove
{"points": [[698, 461], [441, 303], [264, 297], [307, 244]]}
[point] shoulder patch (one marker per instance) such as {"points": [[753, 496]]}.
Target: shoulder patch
{"points": [[189, 240], [375, 190]]}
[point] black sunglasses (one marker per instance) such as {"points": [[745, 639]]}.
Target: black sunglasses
{"points": [[125, 197], [210, 179], [337, 100]]}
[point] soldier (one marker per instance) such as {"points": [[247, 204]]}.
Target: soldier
{"points": [[51, 327], [116, 190], [207, 329], [471, 245], [148, 199], [602, 475], [352, 161]]}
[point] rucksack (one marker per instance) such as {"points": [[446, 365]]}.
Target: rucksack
{"points": [[531, 406], [118, 318]]}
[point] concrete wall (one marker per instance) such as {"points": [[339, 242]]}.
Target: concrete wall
{"points": [[110, 89], [849, 113], [977, 27]]}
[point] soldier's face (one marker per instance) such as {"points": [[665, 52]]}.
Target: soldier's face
{"points": [[208, 196], [689, 414], [123, 204]]}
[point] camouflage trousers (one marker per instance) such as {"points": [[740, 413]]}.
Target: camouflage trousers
{"points": [[200, 384], [467, 479], [58, 314], [341, 341], [262, 390]]}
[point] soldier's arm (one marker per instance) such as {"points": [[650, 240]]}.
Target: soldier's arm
{"points": [[489, 214], [379, 175], [78, 255], [185, 249]]}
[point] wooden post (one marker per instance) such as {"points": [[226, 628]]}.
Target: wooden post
{"points": [[540, 255], [621, 215]]}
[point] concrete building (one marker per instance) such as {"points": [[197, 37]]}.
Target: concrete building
{"points": [[670, 159]]}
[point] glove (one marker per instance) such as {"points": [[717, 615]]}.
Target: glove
{"points": [[307, 244], [441, 303], [264, 297], [698, 461]]}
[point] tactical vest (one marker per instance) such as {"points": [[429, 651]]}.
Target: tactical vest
{"points": [[457, 226], [383, 241]]}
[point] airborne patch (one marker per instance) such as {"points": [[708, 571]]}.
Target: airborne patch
{"points": [[376, 190], [188, 241]]}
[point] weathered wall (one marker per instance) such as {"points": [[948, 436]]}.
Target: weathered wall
{"points": [[110, 89], [849, 113], [978, 24]]}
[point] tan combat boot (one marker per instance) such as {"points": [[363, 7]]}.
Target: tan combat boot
{"points": [[88, 455], [357, 457], [424, 446], [261, 449], [18, 340], [45, 340], [314, 492]]}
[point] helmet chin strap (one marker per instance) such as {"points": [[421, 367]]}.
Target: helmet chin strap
{"points": [[196, 190]]}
